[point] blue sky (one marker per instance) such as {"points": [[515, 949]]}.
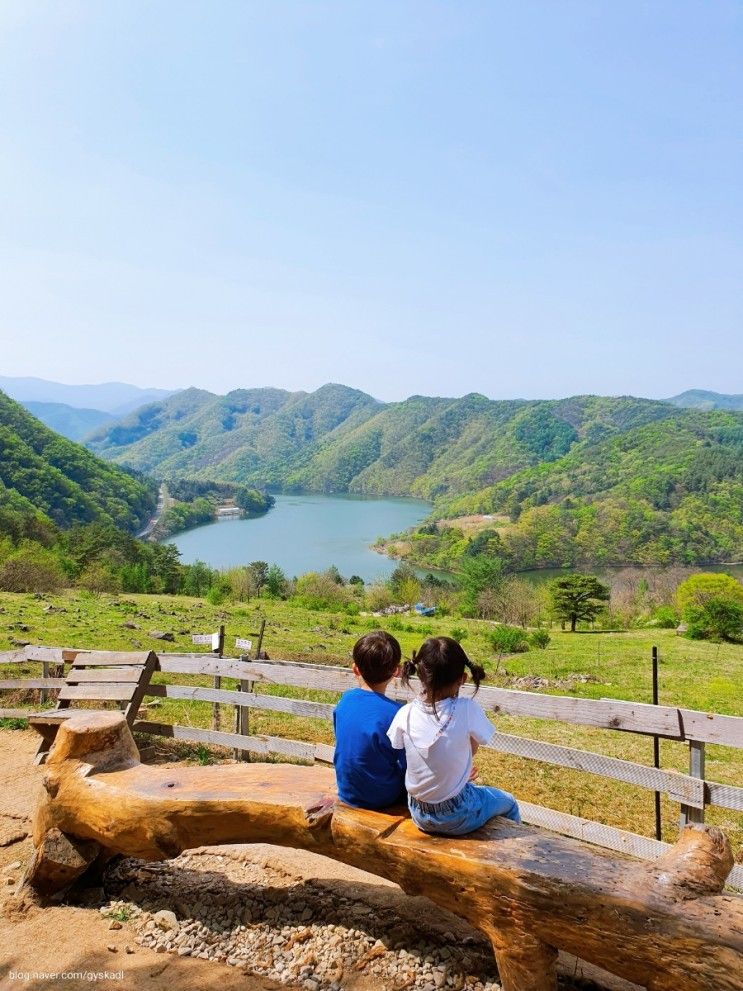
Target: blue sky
{"points": [[531, 199]]}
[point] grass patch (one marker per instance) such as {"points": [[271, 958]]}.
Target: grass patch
{"points": [[693, 674]]}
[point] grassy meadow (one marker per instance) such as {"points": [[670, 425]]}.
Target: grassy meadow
{"points": [[693, 674]]}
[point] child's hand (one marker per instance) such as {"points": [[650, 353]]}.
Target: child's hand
{"points": [[474, 773]]}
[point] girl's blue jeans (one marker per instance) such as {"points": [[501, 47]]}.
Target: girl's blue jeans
{"points": [[467, 811]]}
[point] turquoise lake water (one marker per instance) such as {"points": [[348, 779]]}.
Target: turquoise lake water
{"points": [[306, 533]]}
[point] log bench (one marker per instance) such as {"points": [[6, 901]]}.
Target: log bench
{"points": [[665, 925]]}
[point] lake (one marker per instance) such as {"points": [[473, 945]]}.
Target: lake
{"points": [[307, 533]]}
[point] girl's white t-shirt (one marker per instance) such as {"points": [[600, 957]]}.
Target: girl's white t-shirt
{"points": [[437, 747]]}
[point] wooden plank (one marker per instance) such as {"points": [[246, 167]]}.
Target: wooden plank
{"points": [[27, 683], [57, 715], [264, 745], [680, 787], [711, 727], [13, 657], [90, 675], [150, 665], [100, 693], [111, 658], [14, 713], [273, 703], [205, 664], [726, 796]]}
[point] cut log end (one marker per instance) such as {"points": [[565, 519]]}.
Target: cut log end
{"points": [[102, 740], [58, 861], [696, 865]]}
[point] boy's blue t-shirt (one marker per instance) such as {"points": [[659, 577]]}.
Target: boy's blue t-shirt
{"points": [[368, 772]]}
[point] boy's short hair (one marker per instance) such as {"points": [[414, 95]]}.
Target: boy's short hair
{"points": [[377, 655]]}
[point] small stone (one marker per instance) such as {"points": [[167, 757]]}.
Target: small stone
{"points": [[115, 924], [166, 920], [184, 951], [128, 949], [111, 948], [15, 866]]}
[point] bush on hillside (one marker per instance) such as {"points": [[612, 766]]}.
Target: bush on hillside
{"points": [[540, 639], [31, 569], [717, 619], [698, 590], [665, 618], [509, 640], [320, 590]]}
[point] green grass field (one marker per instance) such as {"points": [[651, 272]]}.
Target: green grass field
{"points": [[693, 674]]}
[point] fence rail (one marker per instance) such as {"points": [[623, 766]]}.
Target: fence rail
{"points": [[691, 727]]}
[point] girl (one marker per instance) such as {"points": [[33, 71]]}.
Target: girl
{"points": [[440, 732]]}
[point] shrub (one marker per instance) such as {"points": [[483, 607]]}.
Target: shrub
{"points": [[717, 619], [100, 578], [378, 597], [697, 590], [509, 640], [215, 596], [458, 633], [540, 639], [321, 591], [31, 570], [665, 618]]}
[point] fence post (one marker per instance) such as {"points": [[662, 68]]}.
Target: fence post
{"points": [[216, 720], [242, 716], [696, 770], [44, 698], [656, 745]]}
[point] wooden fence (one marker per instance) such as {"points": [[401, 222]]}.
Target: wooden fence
{"points": [[693, 728]]}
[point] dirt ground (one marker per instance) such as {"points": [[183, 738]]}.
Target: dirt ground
{"points": [[73, 947], [38, 947]]}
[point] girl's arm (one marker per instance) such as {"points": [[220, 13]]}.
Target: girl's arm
{"points": [[475, 746]]}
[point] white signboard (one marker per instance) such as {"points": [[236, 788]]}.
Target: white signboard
{"points": [[243, 644], [211, 638]]}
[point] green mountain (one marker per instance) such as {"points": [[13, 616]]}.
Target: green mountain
{"points": [[665, 492], [72, 423], [339, 439], [249, 435], [701, 399], [44, 473]]}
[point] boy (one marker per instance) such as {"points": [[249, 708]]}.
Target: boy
{"points": [[368, 772]]}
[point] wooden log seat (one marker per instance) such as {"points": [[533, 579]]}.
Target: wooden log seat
{"points": [[663, 925]]}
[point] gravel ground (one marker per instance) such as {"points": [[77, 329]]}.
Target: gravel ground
{"points": [[219, 904]]}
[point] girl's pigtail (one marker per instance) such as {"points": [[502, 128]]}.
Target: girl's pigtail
{"points": [[477, 672], [408, 671]]}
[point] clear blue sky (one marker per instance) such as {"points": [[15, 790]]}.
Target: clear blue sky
{"points": [[521, 199]]}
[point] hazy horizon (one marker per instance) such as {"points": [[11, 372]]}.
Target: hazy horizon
{"points": [[523, 201], [401, 398]]}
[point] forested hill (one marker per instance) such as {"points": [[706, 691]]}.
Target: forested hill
{"points": [[43, 474], [665, 492], [338, 439]]}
